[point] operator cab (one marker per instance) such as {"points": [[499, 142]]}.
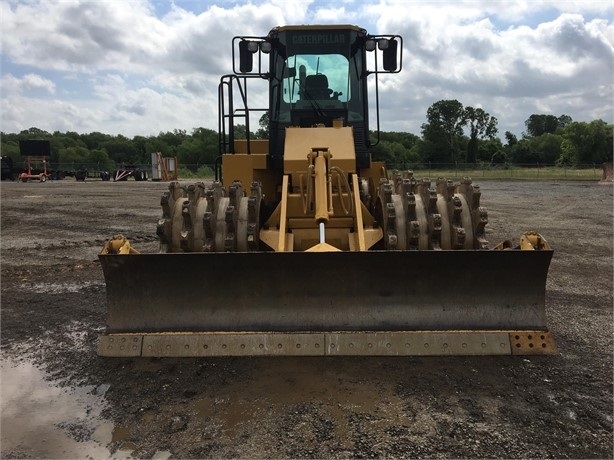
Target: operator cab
{"points": [[318, 74], [316, 77]]}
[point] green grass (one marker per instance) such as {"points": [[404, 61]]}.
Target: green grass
{"points": [[503, 172], [513, 172], [203, 172]]}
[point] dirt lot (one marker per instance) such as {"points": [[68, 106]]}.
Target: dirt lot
{"points": [[61, 400]]}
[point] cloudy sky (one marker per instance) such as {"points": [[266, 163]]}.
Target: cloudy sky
{"points": [[138, 67]]}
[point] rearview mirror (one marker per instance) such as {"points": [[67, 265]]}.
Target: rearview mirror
{"points": [[246, 57], [390, 56]]}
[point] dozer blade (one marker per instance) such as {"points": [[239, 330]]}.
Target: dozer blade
{"points": [[368, 303]]}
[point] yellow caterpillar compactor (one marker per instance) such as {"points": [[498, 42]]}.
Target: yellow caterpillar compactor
{"points": [[304, 246]]}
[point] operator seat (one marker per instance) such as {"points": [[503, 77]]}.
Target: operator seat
{"points": [[316, 87]]}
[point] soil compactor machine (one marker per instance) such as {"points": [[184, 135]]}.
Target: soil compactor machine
{"points": [[305, 246]]}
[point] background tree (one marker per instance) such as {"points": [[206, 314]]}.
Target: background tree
{"points": [[434, 147], [94, 139], [520, 153], [538, 124], [10, 147], [551, 140], [564, 120], [481, 125], [73, 157], [587, 143], [241, 132], [445, 118], [100, 160], [546, 148], [511, 139], [397, 149], [172, 139], [263, 131], [121, 150], [491, 151], [154, 144], [34, 133], [201, 148]]}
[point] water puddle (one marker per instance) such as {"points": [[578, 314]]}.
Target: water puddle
{"points": [[39, 419]]}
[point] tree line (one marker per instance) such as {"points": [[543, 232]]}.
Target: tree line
{"points": [[451, 134], [457, 134]]}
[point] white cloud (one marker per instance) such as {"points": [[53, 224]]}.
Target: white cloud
{"points": [[293, 11], [119, 68], [20, 112], [28, 83], [80, 36], [512, 73], [331, 15]]}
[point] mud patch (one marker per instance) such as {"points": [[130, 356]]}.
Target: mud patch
{"points": [[53, 309]]}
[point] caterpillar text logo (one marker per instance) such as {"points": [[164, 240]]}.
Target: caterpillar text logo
{"points": [[318, 39]]}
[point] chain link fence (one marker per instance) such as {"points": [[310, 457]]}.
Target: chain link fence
{"points": [[501, 171], [587, 172]]}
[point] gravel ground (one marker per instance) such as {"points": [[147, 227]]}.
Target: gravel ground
{"points": [[53, 306]]}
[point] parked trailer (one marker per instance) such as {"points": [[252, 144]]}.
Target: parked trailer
{"points": [[123, 173], [37, 153], [33, 173]]}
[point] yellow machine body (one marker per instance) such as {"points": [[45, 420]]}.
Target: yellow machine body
{"points": [[305, 246]]}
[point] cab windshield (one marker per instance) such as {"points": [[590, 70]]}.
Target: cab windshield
{"points": [[317, 77]]}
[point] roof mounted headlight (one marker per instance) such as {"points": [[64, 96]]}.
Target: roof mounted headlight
{"points": [[383, 43], [265, 47], [252, 47], [370, 44]]}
